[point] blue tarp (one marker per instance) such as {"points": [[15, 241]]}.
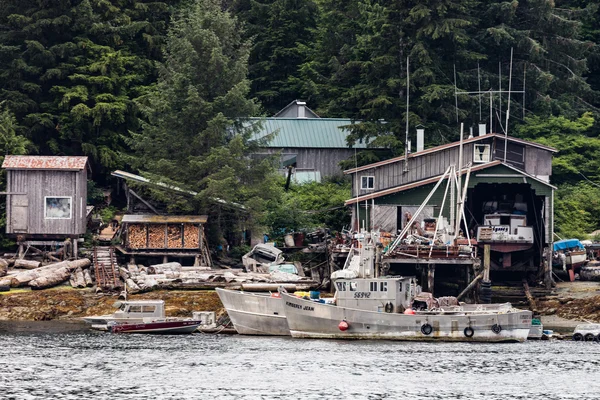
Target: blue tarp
{"points": [[568, 244]]}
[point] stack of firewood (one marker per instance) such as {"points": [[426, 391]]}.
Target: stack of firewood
{"points": [[174, 237], [191, 235], [156, 236], [136, 234]]}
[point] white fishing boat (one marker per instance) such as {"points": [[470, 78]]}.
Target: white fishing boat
{"points": [[394, 308], [255, 313]]}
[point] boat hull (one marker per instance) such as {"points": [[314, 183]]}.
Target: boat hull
{"points": [[162, 328], [255, 314], [307, 319]]}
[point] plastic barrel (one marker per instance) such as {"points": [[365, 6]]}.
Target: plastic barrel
{"points": [[314, 294]]}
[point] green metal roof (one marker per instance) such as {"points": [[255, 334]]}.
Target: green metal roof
{"points": [[306, 132]]}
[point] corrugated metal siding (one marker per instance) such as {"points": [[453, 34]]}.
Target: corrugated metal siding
{"points": [[306, 132], [40, 184], [44, 162]]}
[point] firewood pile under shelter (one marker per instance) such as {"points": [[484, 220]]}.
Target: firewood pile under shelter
{"points": [[165, 235]]}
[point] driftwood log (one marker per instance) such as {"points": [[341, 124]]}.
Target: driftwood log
{"points": [[162, 268], [80, 278], [27, 264], [3, 267], [88, 278], [23, 278], [51, 279], [132, 287]]}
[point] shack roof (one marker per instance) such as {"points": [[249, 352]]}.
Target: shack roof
{"points": [[164, 219], [450, 145], [45, 162], [305, 132]]}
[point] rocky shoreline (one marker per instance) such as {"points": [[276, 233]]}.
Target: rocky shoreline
{"points": [[65, 303]]}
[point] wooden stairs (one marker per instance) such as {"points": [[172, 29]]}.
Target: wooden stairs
{"points": [[106, 267]]}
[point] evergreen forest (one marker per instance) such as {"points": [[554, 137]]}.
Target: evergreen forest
{"points": [[161, 88]]}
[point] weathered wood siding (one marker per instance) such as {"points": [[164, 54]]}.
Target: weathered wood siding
{"points": [[325, 160], [419, 168], [535, 161], [41, 184]]}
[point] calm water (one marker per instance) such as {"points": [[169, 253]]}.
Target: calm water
{"points": [[51, 361]]}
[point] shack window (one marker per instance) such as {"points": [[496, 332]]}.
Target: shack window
{"points": [[135, 309], [57, 207], [373, 286], [148, 309], [367, 182], [383, 286]]}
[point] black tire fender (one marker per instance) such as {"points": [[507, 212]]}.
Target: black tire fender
{"points": [[426, 329], [469, 332], [589, 337], [578, 337], [496, 328]]}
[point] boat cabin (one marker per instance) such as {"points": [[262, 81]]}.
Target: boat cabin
{"points": [[392, 295], [154, 309], [505, 228]]}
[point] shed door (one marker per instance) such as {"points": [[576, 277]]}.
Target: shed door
{"points": [[19, 213]]}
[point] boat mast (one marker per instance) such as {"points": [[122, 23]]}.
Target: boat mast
{"points": [[458, 185], [508, 107]]}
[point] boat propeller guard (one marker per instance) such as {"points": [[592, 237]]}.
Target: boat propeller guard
{"points": [[426, 329]]}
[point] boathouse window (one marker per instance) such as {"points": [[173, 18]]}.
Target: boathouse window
{"points": [[148, 309], [58, 207], [373, 286], [135, 309], [383, 286], [367, 182]]}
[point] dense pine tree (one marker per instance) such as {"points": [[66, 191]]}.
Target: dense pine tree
{"points": [[195, 131]]}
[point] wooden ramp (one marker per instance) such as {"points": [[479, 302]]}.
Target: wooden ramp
{"points": [[105, 267]]}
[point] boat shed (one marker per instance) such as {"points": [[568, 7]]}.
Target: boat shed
{"points": [[385, 193], [46, 196]]}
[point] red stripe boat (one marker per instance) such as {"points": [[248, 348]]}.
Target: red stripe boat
{"points": [[159, 327]]}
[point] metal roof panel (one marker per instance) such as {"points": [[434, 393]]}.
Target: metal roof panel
{"points": [[45, 162], [305, 132], [164, 219]]}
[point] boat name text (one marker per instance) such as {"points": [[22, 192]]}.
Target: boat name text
{"points": [[298, 306], [362, 295]]}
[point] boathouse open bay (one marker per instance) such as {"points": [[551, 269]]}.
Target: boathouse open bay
{"points": [[50, 363]]}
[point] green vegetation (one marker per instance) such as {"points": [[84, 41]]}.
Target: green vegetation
{"points": [[164, 88]]}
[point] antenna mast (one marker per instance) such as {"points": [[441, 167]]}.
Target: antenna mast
{"points": [[407, 111], [508, 107]]}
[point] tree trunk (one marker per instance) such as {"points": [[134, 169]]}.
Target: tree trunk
{"points": [[27, 264], [51, 279], [88, 278], [22, 278], [3, 267], [162, 268]]}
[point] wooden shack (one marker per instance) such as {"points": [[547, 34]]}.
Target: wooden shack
{"points": [[46, 196], [164, 235]]}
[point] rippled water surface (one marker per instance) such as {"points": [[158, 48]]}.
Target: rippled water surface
{"points": [[52, 361]]}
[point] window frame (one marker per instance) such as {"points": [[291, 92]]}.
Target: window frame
{"points": [[368, 178], [58, 197]]}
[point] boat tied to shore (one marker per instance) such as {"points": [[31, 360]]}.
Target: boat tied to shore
{"points": [[368, 306]]}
